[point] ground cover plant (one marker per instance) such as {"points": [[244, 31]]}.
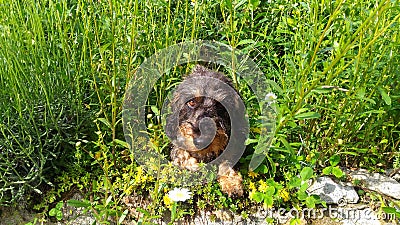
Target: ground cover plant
{"points": [[64, 65]]}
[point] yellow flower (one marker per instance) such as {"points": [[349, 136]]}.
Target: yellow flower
{"points": [[139, 173], [252, 186], [144, 178], [252, 174], [167, 201], [284, 195], [263, 186]]}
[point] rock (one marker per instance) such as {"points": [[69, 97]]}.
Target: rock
{"points": [[76, 216], [332, 192], [393, 173], [377, 182]]}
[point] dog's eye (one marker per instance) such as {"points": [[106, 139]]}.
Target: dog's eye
{"points": [[191, 103]]}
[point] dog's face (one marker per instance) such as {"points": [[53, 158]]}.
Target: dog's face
{"points": [[203, 122], [199, 119]]}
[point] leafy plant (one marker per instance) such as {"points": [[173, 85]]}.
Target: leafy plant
{"points": [[57, 211], [333, 168]]}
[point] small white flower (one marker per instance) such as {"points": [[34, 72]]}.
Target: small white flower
{"points": [[179, 194], [270, 97]]}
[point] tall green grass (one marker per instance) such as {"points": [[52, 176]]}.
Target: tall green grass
{"points": [[64, 66], [41, 95]]}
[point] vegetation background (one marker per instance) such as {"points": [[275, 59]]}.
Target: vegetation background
{"points": [[64, 66]]}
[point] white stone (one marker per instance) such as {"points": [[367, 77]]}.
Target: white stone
{"points": [[377, 182], [332, 192]]}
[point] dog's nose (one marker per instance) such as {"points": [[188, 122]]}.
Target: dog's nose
{"points": [[207, 133]]}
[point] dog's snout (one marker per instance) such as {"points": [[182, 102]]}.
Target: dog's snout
{"points": [[195, 129], [208, 129]]}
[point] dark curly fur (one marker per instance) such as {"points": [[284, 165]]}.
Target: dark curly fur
{"points": [[191, 103]]}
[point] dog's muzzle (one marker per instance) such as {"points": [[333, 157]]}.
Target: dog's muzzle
{"points": [[208, 130]]}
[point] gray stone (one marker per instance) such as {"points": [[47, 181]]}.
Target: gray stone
{"points": [[393, 173], [333, 192], [76, 216], [377, 182]]}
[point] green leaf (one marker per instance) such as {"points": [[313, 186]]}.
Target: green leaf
{"points": [[385, 96], [310, 202], [322, 90], [258, 197], [263, 169], [334, 160], [78, 203], [238, 4], [275, 86], [361, 93], [59, 205], [229, 4], [306, 173], [369, 100], [307, 115], [155, 110], [303, 187], [141, 210], [337, 172], [384, 141], [245, 42], [286, 144], [268, 201], [294, 182], [105, 122], [327, 170], [121, 143], [389, 209], [301, 195], [254, 4], [59, 215], [53, 212], [270, 191]]}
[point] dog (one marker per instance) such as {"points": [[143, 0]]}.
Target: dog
{"points": [[200, 125]]}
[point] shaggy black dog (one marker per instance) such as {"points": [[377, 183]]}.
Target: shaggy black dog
{"points": [[200, 125]]}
